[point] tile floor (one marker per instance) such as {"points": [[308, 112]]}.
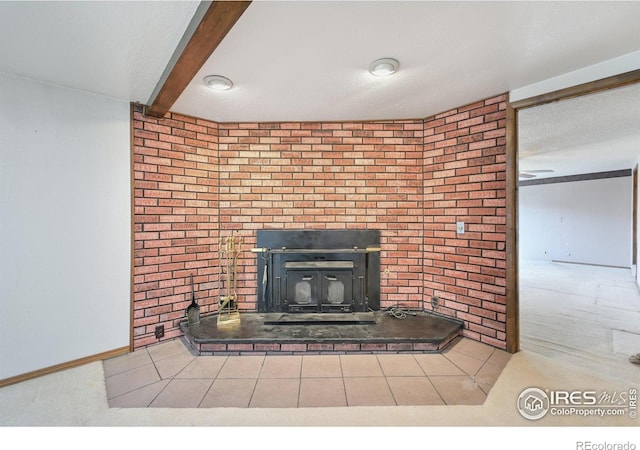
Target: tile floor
{"points": [[168, 375]]}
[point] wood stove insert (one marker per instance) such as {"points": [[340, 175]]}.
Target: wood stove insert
{"points": [[318, 271]]}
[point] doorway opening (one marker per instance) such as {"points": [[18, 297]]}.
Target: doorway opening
{"points": [[607, 285]]}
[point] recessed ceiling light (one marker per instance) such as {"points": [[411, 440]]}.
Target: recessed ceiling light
{"points": [[383, 67], [218, 82]]}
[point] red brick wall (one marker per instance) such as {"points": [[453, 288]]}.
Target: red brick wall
{"points": [[198, 181], [464, 180], [327, 176], [175, 164]]}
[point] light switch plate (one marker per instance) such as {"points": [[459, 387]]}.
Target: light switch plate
{"points": [[460, 227]]}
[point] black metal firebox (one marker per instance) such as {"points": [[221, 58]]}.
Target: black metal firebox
{"points": [[318, 271]]}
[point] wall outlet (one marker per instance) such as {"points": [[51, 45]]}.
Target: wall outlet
{"points": [[159, 331], [435, 301], [460, 227]]}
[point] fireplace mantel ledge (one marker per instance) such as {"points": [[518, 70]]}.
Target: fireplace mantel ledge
{"points": [[316, 250]]}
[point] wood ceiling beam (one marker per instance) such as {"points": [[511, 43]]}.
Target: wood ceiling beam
{"points": [[217, 20]]}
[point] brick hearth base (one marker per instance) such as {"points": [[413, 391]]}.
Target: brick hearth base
{"points": [[258, 334]]}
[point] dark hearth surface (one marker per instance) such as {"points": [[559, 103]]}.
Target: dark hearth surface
{"points": [[278, 328], [319, 319]]}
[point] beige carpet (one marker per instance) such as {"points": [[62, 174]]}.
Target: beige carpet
{"points": [[77, 398]]}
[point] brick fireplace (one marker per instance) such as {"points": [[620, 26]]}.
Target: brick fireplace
{"points": [[197, 181]]}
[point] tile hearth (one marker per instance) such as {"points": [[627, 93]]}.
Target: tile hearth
{"points": [[169, 375]]}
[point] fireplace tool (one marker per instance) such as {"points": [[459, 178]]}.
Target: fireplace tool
{"points": [[193, 311], [228, 252]]}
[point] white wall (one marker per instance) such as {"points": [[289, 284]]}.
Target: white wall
{"points": [[583, 221], [65, 228]]}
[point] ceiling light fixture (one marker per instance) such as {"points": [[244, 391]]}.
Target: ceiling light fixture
{"points": [[218, 82], [383, 67]]}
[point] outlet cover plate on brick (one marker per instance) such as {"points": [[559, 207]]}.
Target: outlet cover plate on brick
{"points": [[460, 227]]}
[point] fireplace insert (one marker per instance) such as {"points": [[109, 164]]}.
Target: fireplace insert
{"points": [[318, 271]]}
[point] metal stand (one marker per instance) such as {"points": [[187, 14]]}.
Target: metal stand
{"points": [[228, 252]]}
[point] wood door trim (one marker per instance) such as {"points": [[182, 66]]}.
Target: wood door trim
{"points": [[634, 209], [513, 284], [591, 87]]}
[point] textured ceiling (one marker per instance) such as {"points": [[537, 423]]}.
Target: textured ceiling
{"points": [[117, 49], [307, 61], [593, 133]]}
